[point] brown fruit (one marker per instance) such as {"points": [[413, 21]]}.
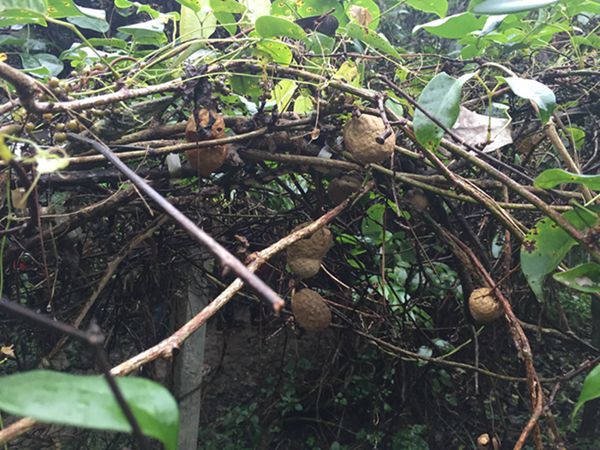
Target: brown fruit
{"points": [[60, 136], [53, 82], [206, 160], [360, 134], [72, 125], [343, 187], [484, 307], [310, 310], [304, 256]]}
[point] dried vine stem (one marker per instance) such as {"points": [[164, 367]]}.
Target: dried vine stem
{"points": [[166, 347], [222, 254], [111, 267]]}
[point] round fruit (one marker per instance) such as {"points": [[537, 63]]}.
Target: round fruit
{"points": [[47, 117], [304, 257], [360, 139], [59, 126], [484, 307], [29, 126], [72, 125], [53, 82], [343, 187], [310, 310], [60, 137]]}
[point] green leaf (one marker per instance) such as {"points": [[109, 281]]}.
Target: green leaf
{"points": [[283, 93], [309, 8], [227, 21], [535, 91], [546, 244], [146, 33], [197, 24], [87, 401], [551, 178], [591, 388], [58, 9], [441, 98], [584, 278], [94, 19], [348, 72], [507, 6], [21, 12], [277, 51], [245, 85], [303, 104], [272, 26], [371, 38], [453, 27], [227, 6], [370, 6], [41, 64], [194, 5], [439, 7], [372, 224]]}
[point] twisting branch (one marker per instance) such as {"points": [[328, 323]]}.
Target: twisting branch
{"points": [[166, 348], [222, 254], [94, 339]]}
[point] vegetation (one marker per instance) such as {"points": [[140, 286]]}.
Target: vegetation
{"points": [[406, 190]]}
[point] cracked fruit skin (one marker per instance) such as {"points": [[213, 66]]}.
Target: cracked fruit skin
{"points": [[206, 160], [304, 257], [484, 307], [310, 310], [360, 139]]}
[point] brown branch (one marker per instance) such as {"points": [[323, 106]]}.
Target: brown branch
{"points": [[165, 348], [111, 267], [223, 255]]}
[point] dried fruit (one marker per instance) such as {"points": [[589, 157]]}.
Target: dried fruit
{"points": [[72, 125], [360, 139], [343, 187], [60, 136], [484, 306], [310, 310], [304, 257], [206, 160]]}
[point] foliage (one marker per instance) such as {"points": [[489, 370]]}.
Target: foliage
{"points": [[397, 368]]}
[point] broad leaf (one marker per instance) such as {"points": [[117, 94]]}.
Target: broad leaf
{"points": [[87, 401], [94, 19], [453, 27], [441, 99], [591, 388], [197, 24], [303, 104], [227, 21], [507, 6], [41, 64], [272, 26], [484, 132], [370, 6], [439, 7], [21, 12], [551, 178], [283, 93], [227, 6], [535, 91], [146, 33], [546, 244], [584, 278], [276, 51], [64, 8], [371, 38]]}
